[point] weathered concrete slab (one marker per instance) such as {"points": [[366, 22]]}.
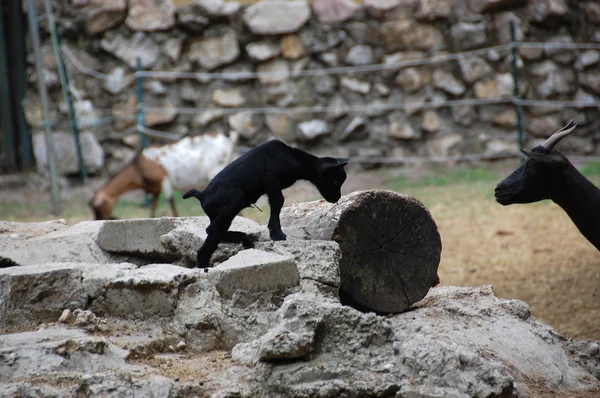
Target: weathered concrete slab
{"points": [[256, 271], [39, 293]]}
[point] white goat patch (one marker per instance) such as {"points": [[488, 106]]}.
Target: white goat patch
{"points": [[193, 161]]}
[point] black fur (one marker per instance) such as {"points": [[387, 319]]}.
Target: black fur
{"points": [[267, 169]]}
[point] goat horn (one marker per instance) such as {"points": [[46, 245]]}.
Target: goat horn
{"points": [[559, 135]]}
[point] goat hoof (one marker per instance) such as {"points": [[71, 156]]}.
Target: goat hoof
{"points": [[281, 236], [248, 244]]}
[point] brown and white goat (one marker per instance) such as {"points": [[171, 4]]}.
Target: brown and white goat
{"points": [[184, 164], [548, 174]]}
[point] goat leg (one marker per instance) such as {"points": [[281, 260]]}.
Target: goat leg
{"points": [[206, 250], [238, 237], [276, 200]]}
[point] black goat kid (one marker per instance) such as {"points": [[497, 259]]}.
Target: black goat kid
{"points": [[267, 169], [548, 174]]}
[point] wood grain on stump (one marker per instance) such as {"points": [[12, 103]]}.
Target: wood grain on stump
{"points": [[390, 246]]}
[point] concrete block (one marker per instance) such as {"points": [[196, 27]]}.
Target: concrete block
{"points": [[255, 271]]}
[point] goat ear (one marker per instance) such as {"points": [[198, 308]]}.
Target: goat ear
{"points": [[342, 161], [546, 158]]}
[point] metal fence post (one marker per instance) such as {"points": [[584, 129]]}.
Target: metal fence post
{"points": [[141, 114], [517, 94], [33, 28]]}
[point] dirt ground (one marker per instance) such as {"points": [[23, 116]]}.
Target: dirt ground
{"points": [[528, 252]]}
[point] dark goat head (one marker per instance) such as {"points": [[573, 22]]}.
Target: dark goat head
{"points": [[330, 177], [536, 179]]}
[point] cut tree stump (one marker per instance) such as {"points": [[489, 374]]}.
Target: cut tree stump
{"points": [[390, 246]]}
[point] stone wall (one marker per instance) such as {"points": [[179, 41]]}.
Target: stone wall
{"points": [[284, 37]]}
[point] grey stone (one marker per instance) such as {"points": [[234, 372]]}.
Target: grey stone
{"points": [[352, 128], [431, 122], [233, 97], [379, 8], [130, 49], [502, 26], [464, 115], [280, 125], [552, 49], [444, 145], [587, 58], [478, 6], [276, 16], [592, 12], [288, 342], [500, 147], [220, 8], [117, 80], [432, 10], [191, 16], [244, 123], [312, 129], [165, 112], [206, 117], [156, 88], [499, 86], [215, 51], [102, 15], [263, 50], [359, 55], [557, 82], [403, 56], [358, 86], [550, 13], [467, 36], [66, 154], [544, 126], [172, 48], [585, 98], [273, 72], [400, 128], [337, 108], [406, 34], [590, 81], [150, 15], [330, 59], [447, 82], [334, 11], [474, 69], [255, 271], [506, 119], [412, 79], [382, 89]]}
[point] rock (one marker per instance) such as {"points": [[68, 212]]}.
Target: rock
{"points": [[380, 8], [330, 59], [215, 51], [355, 85], [66, 316], [244, 123], [412, 79], [586, 59], [273, 72], [207, 117], [549, 13], [325, 84], [414, 104], [312, 129], [404, 56], [117, 80], [336, 108], [359, 55], [406, 34], [467, 36], [481, 6], [502, 25], [474, 69], [557, 82], [431, 10], [500, 86], [444, 146], [584, 98], [464, 115], [150, 15], [562, 55], [531, 54], [255, 271], [334, 11], [192, 17], [262, 50], [292, 47], [500, 147], [352, 128], [66, 154], [280, 125], [276, 17], [506, 119], [382, 89], [129, 50], [592, 12], [544, 126], [231, 98], [431, 122], [399, 127], [445, 81], [590, 81], [172, 48], [102, 15], [162, 115], [220, 8]]}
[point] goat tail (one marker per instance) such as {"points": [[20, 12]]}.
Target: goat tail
{"points": [[195, 193]]}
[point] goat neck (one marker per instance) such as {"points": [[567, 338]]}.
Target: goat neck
{"points": [[580, 199]]}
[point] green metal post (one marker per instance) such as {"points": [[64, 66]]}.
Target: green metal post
{"points": [[141, 113], [517, 93], [64, 79], [33, 28]]}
